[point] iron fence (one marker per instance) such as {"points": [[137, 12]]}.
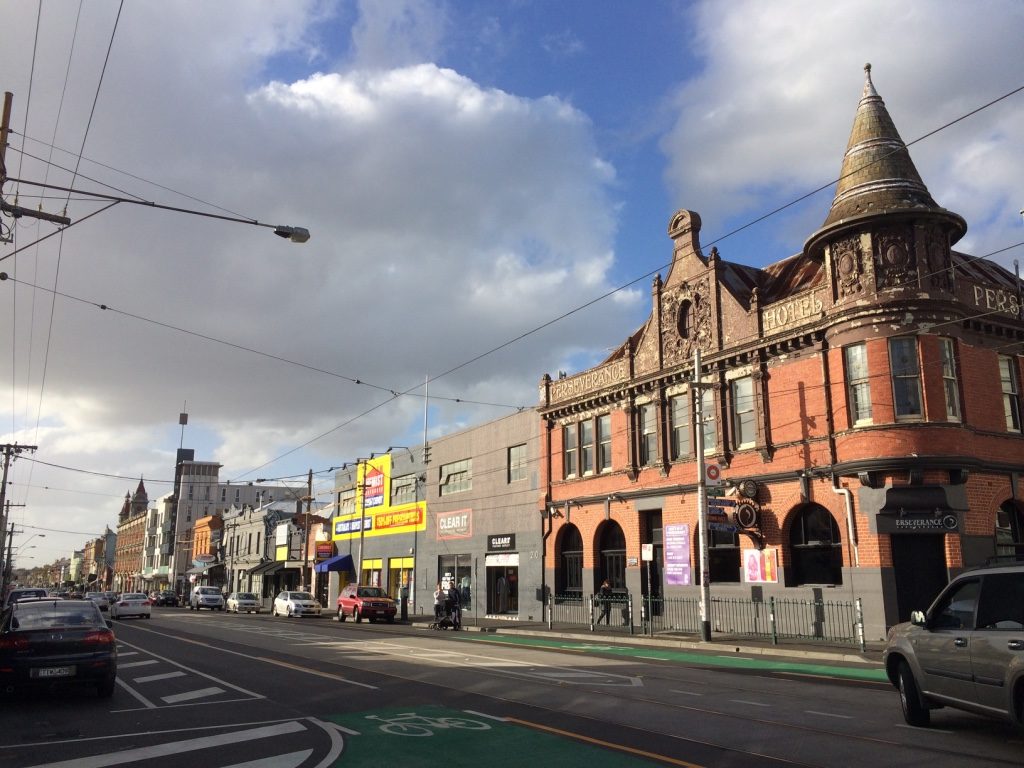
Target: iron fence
{"points": [[827, 622]]}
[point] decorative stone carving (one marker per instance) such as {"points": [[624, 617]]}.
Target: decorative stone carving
{"points": [[895, 264], [848, 267], [937, 260], [685, 322]]}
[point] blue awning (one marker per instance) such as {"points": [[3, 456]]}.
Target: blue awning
{"points": [[336, 563]]}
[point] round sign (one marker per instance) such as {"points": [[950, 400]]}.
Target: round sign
{"points": [[713, 473], [746, 516], [949, 522]]}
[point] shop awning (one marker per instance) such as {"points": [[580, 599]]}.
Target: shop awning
{"points": [[915, 500], [266, 569], [204, 568], [336, 563]]}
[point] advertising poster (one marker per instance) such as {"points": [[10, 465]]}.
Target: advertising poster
{"points": [[761, 566], [374, 514], [677, 555]]}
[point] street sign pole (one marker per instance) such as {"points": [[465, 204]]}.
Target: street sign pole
{"points": [[702, 507]]}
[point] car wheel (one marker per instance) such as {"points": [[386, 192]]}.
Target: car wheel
{"points": [[106, 689], [914, 711], [391, 619], [149, 615], [357, 615], [341, 614]]}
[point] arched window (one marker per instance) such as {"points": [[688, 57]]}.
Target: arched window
{"points": [[1010, 530], [687, 317], [569, 562], [612, 550], [815, 546]]}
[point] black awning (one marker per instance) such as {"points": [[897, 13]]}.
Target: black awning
{"points": [[203, 568], [915, 500], [265, 569], [336, 563]]}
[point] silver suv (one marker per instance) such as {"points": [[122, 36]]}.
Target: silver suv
{"points": [[206, 597], [967, 651]]}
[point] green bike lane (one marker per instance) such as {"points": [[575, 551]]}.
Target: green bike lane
{"points": [[713, 657]]}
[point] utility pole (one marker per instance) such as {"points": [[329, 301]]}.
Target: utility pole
{"points": [[702, 504], [10, 452], [16, 210], [307, 576]]}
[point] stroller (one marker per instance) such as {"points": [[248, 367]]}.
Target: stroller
{"points": [[452, 618]]}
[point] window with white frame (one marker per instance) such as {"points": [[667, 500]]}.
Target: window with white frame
{"points": [[858, 385], [950, 384], [569, 450], [906, 379], [403, 489], [648, 415], [744, 421], [516, 463], [347, 502], [587, 447], [456, 477], [604, 442], [682, 429], [1011, 398]]}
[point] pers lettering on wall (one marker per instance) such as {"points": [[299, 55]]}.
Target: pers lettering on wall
{"points": [[997, 300]]}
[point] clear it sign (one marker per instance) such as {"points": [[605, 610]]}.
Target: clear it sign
{"points": [[501, 542]]}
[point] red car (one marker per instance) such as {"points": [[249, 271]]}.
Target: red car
{"points": [[361, 602]]}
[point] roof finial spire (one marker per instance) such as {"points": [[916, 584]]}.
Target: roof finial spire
{"points": [[869, 87]]}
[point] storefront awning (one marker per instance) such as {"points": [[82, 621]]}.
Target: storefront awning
{"points": [[336, 563], [266, 569], [915, 500], [204, 568]]}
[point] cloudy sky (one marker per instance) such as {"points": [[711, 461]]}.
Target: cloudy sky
{"points": [[469, 171]]}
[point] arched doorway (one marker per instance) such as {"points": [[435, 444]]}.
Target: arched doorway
{"points": [[569, 562], [1009, 533], [611, 551], [815, 546]]}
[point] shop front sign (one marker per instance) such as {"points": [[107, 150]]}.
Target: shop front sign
{"points": [[502, 542]]}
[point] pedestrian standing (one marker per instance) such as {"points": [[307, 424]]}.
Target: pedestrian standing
{"points": [[605, 598], [439, 597]]}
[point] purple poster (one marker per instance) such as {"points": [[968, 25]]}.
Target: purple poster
{"points": [[677, 555]]}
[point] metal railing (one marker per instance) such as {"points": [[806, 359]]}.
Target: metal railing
{"points": [[826, 622]]}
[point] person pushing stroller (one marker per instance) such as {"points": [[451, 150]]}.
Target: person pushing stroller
{"points": [[453, 606]]}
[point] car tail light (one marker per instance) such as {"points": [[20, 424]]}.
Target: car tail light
{"points": [[147, 602], [99, 637], [13, 643]]}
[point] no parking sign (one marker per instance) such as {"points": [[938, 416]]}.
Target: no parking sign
{"points": [[712, 475]]}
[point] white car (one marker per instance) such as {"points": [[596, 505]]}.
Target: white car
{"points": [[243, 601], [206, 597], [100, 598], [131, 604], [292, 604]]}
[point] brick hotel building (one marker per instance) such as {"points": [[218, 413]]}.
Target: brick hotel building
{"points": [[861, 402]]}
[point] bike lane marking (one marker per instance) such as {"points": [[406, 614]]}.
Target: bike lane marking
{"points": [[399, 735], [737, 662]]}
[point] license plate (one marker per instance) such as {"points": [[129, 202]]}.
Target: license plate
{"points": [[54, 672]]}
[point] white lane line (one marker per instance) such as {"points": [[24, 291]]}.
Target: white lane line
{"points": [[201, 693], [121, 653], [142, 699], [153, 678], [925, 730], [484, 714], [177, 747], [203, 674], [828, 714], [293, 760], [686, 693], [131, 664], [751, 703]]}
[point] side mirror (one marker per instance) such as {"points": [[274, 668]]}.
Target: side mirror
{"points": [[917, 618]]}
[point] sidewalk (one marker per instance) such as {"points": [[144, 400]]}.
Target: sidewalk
{"points": [[720, 643]]}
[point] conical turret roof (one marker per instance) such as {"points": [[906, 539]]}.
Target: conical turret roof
{"points": [[878, 174]]}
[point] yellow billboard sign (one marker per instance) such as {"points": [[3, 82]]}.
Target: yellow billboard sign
{"points": [[374, 514]]}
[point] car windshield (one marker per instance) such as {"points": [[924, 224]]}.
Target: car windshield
{"points": [[301, 596], [246, 596], [57, 613], [133, 596], [371, 592], [94, 595], [209, 591]]}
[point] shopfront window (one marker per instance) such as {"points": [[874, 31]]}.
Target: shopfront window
{"points": [[612, 550], [569, 562], [457, 570], [815, 546]]}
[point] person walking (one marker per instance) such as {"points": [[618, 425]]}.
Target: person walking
{"points": [[455, 606], [604, 595], [439, 597]]}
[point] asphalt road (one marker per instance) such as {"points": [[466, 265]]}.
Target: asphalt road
{"points": [[214, 689]]}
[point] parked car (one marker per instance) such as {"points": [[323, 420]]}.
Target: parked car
{"points": [[23, 593], [243, 601], [966, 652], [169, 599], [131, 604], [360, 601], [206, 597], [46, 641], [293, 604], [100, 598]]}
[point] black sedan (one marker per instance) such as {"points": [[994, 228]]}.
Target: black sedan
{"points": [[50, 641]]}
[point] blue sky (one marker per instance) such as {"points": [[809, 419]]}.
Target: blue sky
{"points": [[468, 170]]}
